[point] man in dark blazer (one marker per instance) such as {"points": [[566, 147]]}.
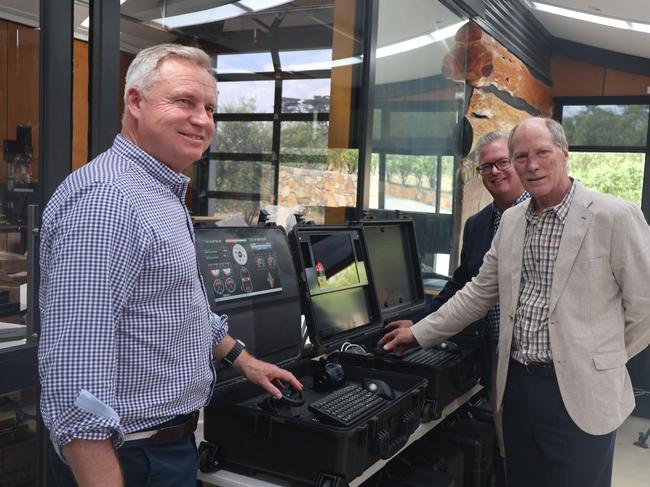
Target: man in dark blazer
{"points": [[500, 179]]}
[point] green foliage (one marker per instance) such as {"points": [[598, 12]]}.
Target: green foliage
{"points": [[612, 173], [400, 166], [343, 160], [252, 137], [306, 136], [625, 125]]}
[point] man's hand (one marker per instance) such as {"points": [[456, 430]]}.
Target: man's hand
{"points": [[399, 339], [398, 324], [263, 374]]}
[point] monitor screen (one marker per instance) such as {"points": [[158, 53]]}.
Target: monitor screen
{"points": [[248, 275], [334, 260], [391, 264], [238, 266], [333, 264]]}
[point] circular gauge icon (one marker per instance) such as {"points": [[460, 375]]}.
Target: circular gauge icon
{"points": [[239, 253], [218, 286], [230, 285], [270, 260], [259, 262]]}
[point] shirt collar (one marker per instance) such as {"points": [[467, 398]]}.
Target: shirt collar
{"points": [[522, 197], [561, 210], [176, 182]]}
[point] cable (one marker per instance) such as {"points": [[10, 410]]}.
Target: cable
{"points": [[353, 348]]}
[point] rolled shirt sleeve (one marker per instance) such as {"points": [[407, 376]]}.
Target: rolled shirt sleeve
{"points": [[88, 259]]}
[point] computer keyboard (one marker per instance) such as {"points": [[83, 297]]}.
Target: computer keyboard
{"points": [[344, 406], [430, 357]]}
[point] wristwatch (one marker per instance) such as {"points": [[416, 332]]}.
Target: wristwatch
{"points": [[235, 351]]}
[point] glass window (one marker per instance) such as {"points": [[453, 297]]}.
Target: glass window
{"points": [[608, 148], [409, 183], [615, 173], [249, 137], [20, 179], [606, 125], [244, 63], [417, 108], [422, 124], [20, 168], [304, 137], [315, 125], [246, 177], [309, 60], [306, 96], [245, 96]]}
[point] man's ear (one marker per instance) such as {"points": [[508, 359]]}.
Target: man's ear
{"points": [[134, 101], [565, 151]]}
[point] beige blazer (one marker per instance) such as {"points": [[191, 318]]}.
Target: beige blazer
{"points": [[599, 308]]}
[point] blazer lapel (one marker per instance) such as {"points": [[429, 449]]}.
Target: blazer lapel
{"points": [[516, 255], [575, 228]]}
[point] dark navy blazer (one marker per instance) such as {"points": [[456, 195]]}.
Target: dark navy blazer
{"points": [[477, 238]]}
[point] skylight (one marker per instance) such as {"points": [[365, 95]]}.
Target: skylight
{"points": [[595, 19]]}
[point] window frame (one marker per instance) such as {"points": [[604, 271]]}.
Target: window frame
{"points": [[561, 102]]}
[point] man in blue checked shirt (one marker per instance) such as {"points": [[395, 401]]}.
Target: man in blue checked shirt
{"points": [[127, 333]]}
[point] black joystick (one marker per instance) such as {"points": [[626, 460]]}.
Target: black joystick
{"points": [[380, 388], [290, 398]]}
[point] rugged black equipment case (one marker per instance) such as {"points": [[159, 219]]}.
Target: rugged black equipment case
{"points": [[401, 295], [289, 442]]}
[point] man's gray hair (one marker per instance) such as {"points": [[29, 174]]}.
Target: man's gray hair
{"points": [[143, 71], [554, 127], [487, 139]]}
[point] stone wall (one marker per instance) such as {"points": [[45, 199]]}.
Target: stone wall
{"points": [[308, 187]]}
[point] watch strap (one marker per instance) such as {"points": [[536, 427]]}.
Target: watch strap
{"points": [[235, 351]]}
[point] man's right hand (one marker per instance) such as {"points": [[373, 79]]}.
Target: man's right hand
{"points": [[398, 324], [400, 337]]}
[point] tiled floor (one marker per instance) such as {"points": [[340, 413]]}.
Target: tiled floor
{"points": [[631, 463]]}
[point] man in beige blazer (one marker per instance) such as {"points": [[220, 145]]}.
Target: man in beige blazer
{"points": [[571, 271]]}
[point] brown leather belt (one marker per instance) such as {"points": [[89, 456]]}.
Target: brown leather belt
{"points": [[167, 434], [536, 369]]}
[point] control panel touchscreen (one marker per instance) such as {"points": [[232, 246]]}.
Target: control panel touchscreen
{"points": [[235, 266]]}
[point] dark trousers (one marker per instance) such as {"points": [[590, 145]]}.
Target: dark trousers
{"points": [[143, 465], [544, 447]]}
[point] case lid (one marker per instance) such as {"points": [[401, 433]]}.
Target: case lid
{"points": [[395, 265], [339, 300], [249, 275]]}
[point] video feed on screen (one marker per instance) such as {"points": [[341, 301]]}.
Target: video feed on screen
{"points": [[334, 261]]}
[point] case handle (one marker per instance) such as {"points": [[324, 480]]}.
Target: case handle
{"points": [[386, 446]]}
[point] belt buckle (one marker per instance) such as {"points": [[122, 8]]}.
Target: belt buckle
{"points": [[529, 371]]}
